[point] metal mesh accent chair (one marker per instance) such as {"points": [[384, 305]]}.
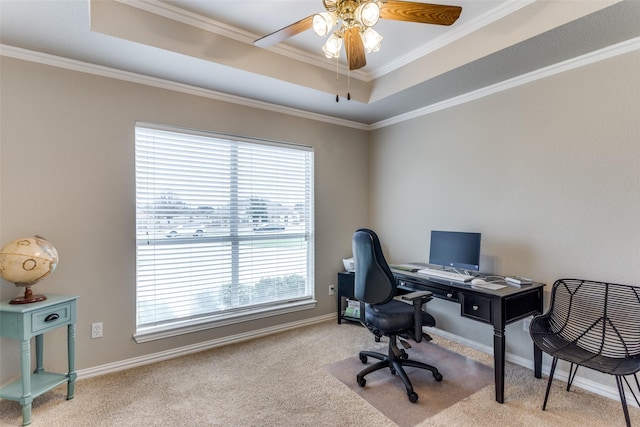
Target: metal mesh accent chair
{"points": [[592, 324], [375, 288]]}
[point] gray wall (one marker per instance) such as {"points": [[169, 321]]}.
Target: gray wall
{"points": [[67, 173], [548, 172]]}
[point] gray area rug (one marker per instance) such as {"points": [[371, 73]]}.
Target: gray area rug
{"points": [[461, 378]]}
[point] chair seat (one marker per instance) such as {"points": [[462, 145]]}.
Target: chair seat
{"points": [[556, 346], [394, 316]]}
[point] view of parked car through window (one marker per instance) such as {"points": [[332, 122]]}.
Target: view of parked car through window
{"points": [[223, 226]]}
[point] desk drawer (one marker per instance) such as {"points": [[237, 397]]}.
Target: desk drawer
{"points": [[437, 291], [476, 307], [50, 317]]}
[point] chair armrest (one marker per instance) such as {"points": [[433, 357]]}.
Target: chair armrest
{"points": [[413, 296], [418, 298], [539, 326]]}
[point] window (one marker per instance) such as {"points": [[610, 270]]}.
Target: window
{"points": [[224, 230]]}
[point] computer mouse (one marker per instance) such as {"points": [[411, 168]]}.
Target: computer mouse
{"points": [[478, 282]]}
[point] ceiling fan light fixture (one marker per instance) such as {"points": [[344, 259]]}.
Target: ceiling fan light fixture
{"points": [[330, 4], [323, 23], [333, 46], [371, 40], [368, 13], [345, 20]]}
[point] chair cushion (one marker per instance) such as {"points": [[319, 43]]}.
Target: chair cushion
{"points": [[394, 316]]}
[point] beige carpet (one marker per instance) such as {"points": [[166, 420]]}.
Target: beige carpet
{"points": [[461, 378], [282, 380]]}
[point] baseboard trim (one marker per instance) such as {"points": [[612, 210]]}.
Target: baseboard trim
{"points": [[560, 375], [194, 348]]}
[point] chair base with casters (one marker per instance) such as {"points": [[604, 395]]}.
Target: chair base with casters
{"points": [[595, 325], [394, 360], [397, 358]]}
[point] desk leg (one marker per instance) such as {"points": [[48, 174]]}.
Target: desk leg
{"points": [[498, 363], [71, 355], [25, 367], [537, 361], [39, 354]]}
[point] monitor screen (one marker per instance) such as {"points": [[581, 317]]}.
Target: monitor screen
{"points": [[455, 249]]}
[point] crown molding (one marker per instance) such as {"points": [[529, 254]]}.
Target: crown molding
{"points": [[70, 64], [196, 20], [570, 64], [186, 17], [99, 70], [452, 35], [207, 24]]}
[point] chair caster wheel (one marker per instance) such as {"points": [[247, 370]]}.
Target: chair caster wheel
{"points": [[413, 397], [437, 376], [404, 355], [361, 382], [363, 358], [393, 371]]}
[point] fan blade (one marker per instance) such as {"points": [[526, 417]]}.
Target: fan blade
{"points": [[355, 48], [424, 13], [284, 33]]}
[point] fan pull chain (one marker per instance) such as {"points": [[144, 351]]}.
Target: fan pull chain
{"points": [[337, 82]]}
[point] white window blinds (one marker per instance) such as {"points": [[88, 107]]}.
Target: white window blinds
{"points": [[223, 226]]}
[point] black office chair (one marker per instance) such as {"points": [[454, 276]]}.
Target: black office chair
{"points": [[592, 324], [375, 288]]}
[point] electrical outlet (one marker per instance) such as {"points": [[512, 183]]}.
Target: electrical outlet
{"points": [[332, 289], [96, 330], [526, 323]]}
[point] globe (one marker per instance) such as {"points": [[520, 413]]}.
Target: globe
{"points": [[25, 262]]}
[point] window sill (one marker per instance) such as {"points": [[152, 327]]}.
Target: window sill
{"points": [[201, 324]]}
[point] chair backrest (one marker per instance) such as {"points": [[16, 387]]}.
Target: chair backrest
{"points": [[374, 283], [603, 318]]}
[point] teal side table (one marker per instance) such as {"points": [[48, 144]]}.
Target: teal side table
{"points": [[25, 321]]}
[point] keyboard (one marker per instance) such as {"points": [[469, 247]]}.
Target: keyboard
{"points": [[449, 275]]}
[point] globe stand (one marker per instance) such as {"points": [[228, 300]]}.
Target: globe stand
{"points": [[28, 297]]}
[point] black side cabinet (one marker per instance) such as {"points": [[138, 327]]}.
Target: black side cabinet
{"points": [[345, 291]]}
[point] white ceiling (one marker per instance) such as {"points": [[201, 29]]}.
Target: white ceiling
{"points": [[207, 45]]}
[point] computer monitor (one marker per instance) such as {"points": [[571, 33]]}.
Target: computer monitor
{"points": [[455, 249]]}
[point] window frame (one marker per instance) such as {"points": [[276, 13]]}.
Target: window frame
{"points": [[149, 332]]}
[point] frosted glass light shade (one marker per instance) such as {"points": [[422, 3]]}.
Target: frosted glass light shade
{"points": [[368, 13], [333, 46], [371, 40], [323, 23]]}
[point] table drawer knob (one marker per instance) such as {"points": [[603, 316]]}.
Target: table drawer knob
{"points": [[449, 295], [52, 317], [475, 308]]}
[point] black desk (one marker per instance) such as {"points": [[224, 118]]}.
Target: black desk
{"points": [[497, 308]]}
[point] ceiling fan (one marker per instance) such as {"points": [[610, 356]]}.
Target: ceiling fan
{"points": [[354, 21]]}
